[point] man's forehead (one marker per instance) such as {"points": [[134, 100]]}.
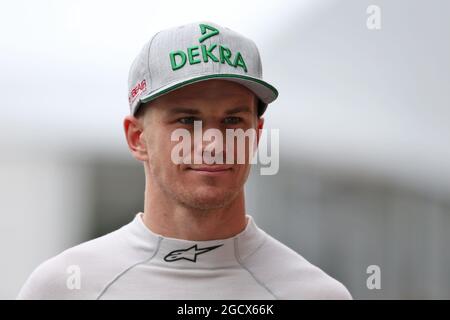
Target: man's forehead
{"points": [[222, 97], [193, 107], [224, 92], [212, 96]]}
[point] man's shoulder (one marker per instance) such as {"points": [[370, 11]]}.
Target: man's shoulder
{"points": [[80, 272], [288, 275]]}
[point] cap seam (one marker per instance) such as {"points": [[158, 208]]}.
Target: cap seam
{"points": [[148, 60], [238, 259], [120, 274]]}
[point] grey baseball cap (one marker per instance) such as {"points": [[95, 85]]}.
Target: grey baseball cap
{"points": [[195, 52]]}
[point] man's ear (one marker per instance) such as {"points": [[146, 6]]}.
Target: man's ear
{"points": [[135, 138]]}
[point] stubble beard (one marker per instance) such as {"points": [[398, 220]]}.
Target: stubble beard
{"points": [[202, 199]]}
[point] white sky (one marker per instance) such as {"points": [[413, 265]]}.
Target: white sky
{"points": [[65, 63], [348, 96]]}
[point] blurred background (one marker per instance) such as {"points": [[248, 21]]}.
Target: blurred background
{"points": [[364, 120]]}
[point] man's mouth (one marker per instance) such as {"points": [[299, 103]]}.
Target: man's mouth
{"points": [[211, 169]]}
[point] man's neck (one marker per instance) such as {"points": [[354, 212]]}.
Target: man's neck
{"points": [[171, 219]]}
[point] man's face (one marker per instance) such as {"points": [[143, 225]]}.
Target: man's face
{"points": [[217, 104]]}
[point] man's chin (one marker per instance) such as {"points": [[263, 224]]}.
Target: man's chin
{"points": [[210, 199]]}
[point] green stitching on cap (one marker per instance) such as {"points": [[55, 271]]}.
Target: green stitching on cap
{"points": [[207, 53], [225, 54], [192, 52], [203, 28], [173, 60], [191, 55], [239, 61]]}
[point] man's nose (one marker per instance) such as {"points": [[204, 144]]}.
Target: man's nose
{"points": [[209, 144]]}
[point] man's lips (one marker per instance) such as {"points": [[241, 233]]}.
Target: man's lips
{"points": [[211, 168]]}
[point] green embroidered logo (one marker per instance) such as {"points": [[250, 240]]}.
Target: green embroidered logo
{"points": [[197, 54]]}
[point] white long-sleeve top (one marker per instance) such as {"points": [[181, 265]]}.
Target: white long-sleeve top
{"points": [[135, 263]]}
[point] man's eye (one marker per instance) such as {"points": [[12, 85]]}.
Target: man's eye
{"points": [[187, 120], [232, 120]]}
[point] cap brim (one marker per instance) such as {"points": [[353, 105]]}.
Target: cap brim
{"points": [[263, 90]]}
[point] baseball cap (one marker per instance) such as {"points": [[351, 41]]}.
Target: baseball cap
{"points": [[195, 52]]}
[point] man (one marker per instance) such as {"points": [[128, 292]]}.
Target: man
{"points": [[194, 239]]}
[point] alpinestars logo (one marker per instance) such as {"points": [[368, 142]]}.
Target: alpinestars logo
{"points": [[188, 254]]}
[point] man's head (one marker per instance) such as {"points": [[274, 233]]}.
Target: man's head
{"points": [[199, 71], [218, 104]]}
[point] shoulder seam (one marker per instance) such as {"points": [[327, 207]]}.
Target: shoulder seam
{"points": [[120, 274], [238, 259]]}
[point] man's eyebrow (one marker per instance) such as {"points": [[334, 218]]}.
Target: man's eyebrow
{"points": [[177, 110], [245, 109]]}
